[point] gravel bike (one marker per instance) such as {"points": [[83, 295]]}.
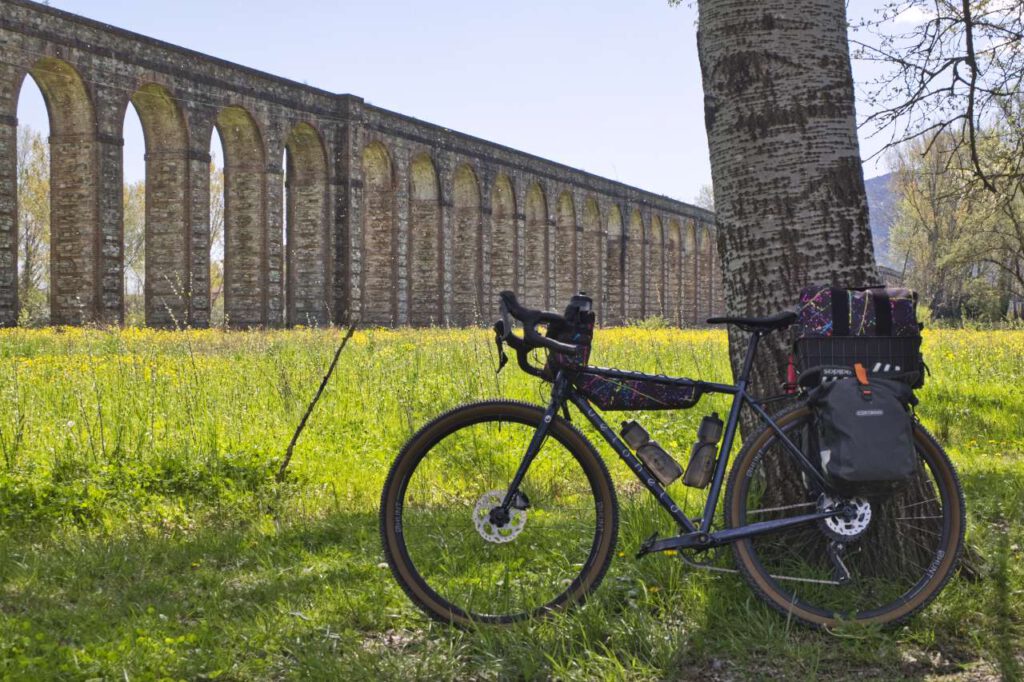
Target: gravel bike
{"points": [[498, 511]]}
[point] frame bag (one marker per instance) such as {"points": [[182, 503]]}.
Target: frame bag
{"points": [[865, 433]]}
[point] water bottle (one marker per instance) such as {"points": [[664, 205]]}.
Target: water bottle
{"points": [[704, 452], [661, 464]]}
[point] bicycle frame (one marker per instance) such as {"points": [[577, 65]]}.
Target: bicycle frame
{"points": [[697, 536]]}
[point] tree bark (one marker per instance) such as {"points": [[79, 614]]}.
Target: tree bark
{"points": [[788, 183]]}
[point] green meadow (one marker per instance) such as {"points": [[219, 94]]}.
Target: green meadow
{"points": [[143, 536]]}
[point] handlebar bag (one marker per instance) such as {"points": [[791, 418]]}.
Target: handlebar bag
{"points": [[578, 329], [865, 432], [876, 327]]}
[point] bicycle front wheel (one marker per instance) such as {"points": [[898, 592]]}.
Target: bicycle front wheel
{"points": [[881, 566], [462, 563]]}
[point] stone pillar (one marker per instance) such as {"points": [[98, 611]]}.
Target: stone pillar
{"points": [[8, 219], [245, 245], [445, 187], [110, 261], [167, 238], [74, 229], [274, 261], [401, 234], [341, 227], [197, 201], [689, 274]]}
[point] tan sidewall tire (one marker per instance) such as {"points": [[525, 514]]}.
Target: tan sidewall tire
{"points": [[763, 587]]}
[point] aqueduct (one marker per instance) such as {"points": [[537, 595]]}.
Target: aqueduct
{"points": [[389, 219]]}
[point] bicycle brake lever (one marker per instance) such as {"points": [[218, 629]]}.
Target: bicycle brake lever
{"points": [[499, 340]]}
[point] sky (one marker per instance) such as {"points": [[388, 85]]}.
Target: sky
{"points": [[608, 86]]}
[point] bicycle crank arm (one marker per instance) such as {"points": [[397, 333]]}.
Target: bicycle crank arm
{"points": [[724, 537]]}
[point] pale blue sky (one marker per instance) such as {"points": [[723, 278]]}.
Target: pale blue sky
{"points": [[609, 86]]}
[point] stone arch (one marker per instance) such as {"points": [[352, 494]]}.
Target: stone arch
{"points": [[167, 247], [590, 252], [425, 269], [467, 263], [689, 273], [655, 271], [616, 284], [75, 274], [504, 244], [535, 255], [565, 251], [634, 246], [673, 284], [379, 294], [306, 251], [245, 233]]}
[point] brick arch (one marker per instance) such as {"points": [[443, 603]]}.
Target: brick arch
{"points": [[616, 284], [425, 265], [245, 234], [673, 262], [378, 277], [535, 255], [75, 274], [634, 245], [589, 252], [167, 280], [306, 290], [504, 242], [655, 270], [689, 277], [565, 248], [467, 261]]}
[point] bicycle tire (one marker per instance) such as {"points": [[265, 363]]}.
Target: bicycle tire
{"points": [[432, 592], [793, 601]]}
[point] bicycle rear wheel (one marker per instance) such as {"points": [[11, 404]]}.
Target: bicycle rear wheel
{"points": [[895, 555], [461, 564]]}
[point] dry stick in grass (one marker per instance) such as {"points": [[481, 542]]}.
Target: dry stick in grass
{"points": [[309, 410]]}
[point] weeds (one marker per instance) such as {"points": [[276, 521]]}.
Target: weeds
{"points": [[142, 533]]}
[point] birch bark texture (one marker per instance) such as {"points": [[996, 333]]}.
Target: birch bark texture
{"points": [[785, 161]]}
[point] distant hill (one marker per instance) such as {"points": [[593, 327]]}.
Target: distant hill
{"points": [[882, 207]]}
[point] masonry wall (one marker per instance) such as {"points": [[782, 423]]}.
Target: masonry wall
{"points": [[390, 220]]}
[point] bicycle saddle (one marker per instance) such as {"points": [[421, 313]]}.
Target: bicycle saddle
{"points": [[779, 320]]}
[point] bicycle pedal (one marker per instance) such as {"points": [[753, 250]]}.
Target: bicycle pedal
{"points": [[645, 546]]}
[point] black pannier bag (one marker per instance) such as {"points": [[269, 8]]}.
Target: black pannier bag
{"points": [[876, 327], [865, 433]]}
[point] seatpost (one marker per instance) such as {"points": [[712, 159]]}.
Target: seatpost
{"points": [[748, 361]]}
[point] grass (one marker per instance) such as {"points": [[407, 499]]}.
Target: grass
{"points": [[142, 535]]}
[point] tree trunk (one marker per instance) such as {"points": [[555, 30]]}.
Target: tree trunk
{"points": [[788, 184]]}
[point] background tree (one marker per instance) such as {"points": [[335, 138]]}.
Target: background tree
{"points": [[957, 69], [135, 252], [785, 162], [216, 243], [705, 197], [33, 226]]}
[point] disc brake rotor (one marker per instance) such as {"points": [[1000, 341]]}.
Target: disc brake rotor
{"points": [[845, 528], [490, 531]]}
